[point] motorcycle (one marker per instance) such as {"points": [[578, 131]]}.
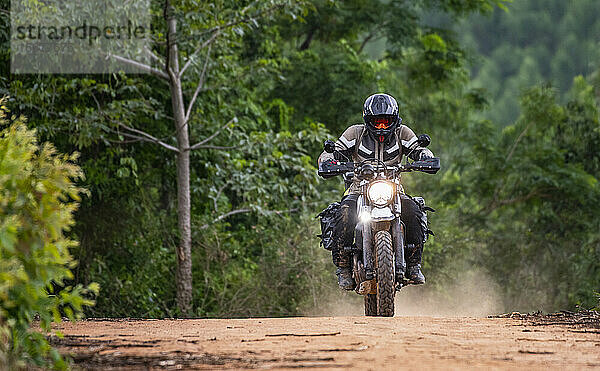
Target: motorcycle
{"points": [[378, 256]]}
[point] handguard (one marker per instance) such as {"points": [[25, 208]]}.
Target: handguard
{"points": [[331, 168], [428, 165]]}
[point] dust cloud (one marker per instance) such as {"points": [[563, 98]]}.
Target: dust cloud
{"points": [[475, 295], [333, 302]]}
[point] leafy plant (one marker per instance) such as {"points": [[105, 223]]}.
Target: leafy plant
{"points": [[37, 199]]}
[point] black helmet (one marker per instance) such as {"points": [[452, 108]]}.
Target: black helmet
{"points": [[380, 113]]}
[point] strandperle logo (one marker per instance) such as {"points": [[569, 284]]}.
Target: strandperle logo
{"points": [[82, 32], [68, 36]]}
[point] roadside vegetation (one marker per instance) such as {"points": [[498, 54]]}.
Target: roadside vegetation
{"points": [[38, 196]]}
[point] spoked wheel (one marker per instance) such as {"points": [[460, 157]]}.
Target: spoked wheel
{"points": [[370, 305], [384, 255]]}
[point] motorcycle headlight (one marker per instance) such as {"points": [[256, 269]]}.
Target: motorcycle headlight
{"points": [[381, 193]]}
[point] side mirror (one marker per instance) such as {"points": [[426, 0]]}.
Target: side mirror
{"points": [[329, 146], [424, 140]]}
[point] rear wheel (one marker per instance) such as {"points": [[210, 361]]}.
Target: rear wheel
{"points": [[370, 305], [385, 274]]}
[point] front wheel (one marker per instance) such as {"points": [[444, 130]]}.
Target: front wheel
{"points": [[384, 255]]}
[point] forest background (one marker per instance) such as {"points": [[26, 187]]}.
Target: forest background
{"points": [[507, 91]]}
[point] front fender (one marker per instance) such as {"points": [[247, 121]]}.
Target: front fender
{"points": [[380, 214]]}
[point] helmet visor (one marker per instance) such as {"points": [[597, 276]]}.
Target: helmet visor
{"points": [[380, 122]]}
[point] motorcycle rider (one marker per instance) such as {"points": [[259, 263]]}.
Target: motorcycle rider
{"points": [[382, 136]]}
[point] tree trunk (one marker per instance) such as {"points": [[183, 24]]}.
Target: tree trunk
{"points": [[184, 250]]}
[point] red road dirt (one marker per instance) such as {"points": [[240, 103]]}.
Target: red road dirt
{"points": [[520, 342]]}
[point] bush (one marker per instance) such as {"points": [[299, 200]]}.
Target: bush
{"points": [[37, 201]]}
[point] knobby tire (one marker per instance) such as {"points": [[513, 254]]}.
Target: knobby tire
{"points": [[370, 305], [384, 254]]}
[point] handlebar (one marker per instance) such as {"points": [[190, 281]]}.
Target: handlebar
{"points": [[332, 168]]}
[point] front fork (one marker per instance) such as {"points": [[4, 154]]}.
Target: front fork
{"points": [[397, 230], [367, 245], [398, 238]]}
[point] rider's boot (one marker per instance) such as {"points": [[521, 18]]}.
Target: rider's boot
{"points": [[345, 279], [342, 261], [414, 255]]}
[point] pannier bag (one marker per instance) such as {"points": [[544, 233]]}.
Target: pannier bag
{"points": [[331, 225]]}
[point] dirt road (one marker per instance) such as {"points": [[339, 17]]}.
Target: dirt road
{"points": [[521, 342]]}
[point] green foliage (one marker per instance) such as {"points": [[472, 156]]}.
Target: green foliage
{"points": [[271, 266], [536, 182], [521, 196], [37, 200], [533, 42], [330, 75]]}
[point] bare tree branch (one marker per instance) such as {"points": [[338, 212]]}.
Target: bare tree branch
{"points": [[216, 198], [97, 102], [143, 139], [365, 41], [221, 217], [306, 44], [198, 88], [372, 36], [135, 138], [242, 20], [172, 75], [514, 146], [215, 147], [202, 46], [249, 6], [125, 141], [206, 140], [140, 66], [146, 137], [155, 57]]}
